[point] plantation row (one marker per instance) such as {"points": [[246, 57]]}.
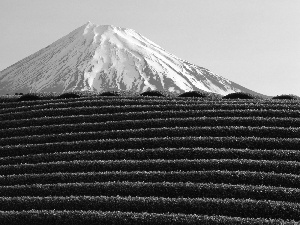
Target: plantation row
{"points": [[133, 108], [208, 176], [107, 98], [215, 131], [129, 102], [204, 206], [169, 114], [163, 189], [164, 142], [98, 122], [158, 153], [117, 101], [93, 217], [93, 103], [137, 98], [291, 167]]}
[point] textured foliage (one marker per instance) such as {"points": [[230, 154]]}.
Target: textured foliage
{"points": [[239, 95], [29, 97], [290, 97], [196, 94], [68, 95], [149, 160], [152, 93], [108, 93]]}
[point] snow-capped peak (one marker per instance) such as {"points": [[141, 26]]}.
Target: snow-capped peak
{"points": [[105, 57]]}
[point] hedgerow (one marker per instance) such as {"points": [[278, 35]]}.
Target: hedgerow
{"points": [[155, 153], [216, 131], [83, 123], [171, 142], [208, 176], [205, 206], [99, 103], [127, 218], [85, 101], [50, 112], [108, 102], [291, 167], [162, 189]]}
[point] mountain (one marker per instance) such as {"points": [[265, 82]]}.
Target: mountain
{"points": [[101, 58]]}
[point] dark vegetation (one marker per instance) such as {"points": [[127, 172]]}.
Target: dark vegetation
{"points": [[126, 158], [109, 93], [152, 93], [290, 97], [195, 94], [29, 97], [239, 95], [68, 95]]}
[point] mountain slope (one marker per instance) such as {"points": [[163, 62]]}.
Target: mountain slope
{"points": [[99, 58]]}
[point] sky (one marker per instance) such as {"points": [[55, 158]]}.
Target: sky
{"points": [[255, 43]]}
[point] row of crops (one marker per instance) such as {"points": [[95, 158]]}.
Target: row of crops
{"points": [[217, 131], [139, 160]]}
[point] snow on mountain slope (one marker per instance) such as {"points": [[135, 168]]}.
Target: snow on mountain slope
{"points": [[100, 58]]}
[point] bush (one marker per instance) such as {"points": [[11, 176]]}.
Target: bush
{"points": [[108, 93], [239, 95], [152, 93], [291, 97], [68, 95], [196, 94], [29, 97]]}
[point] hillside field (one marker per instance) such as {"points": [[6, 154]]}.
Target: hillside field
{"points": [[150, 160]]}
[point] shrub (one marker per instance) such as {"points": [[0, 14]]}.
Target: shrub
{"points": [[29, 97], [108, 93], [239, 95], [68, 95], [47, 95], [196, 94], [291, 97], [152, 93]]}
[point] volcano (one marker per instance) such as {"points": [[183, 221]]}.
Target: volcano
{"points": [[108, 58]]}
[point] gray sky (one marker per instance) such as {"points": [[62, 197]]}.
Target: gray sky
{"points": [[255, 43]]}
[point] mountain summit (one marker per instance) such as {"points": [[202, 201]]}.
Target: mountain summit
{"points": [[104, 57]]}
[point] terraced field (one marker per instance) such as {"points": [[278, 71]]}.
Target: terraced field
{"points": [[150, 160]]}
